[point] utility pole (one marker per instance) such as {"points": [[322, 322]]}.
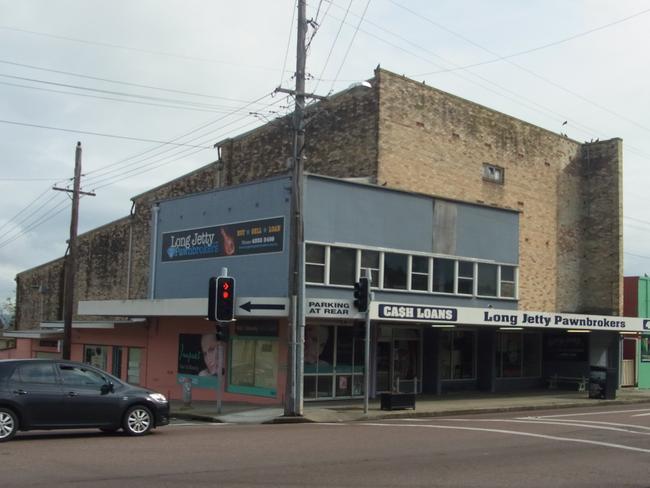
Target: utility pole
{"points": [[293, 393], [70, 262]]}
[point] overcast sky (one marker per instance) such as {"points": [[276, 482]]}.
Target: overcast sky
{"points": [[197, 71]]}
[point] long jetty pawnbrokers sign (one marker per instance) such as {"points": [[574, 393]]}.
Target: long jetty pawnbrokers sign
{"points": [[401, 312]]}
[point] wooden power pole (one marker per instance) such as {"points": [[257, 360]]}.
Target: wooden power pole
{"points": [[70, 262]]}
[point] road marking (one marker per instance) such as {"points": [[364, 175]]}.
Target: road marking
{"points": [[190, 424], [576, 423], [514, 432], [595, 413], [641, 414], [593, 422]]}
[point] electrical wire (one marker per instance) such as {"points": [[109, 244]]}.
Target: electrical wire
{"points": [[51, 90], [286, 53], [537, 48], [100, 134], [134, 49], [336, 38], [529, 71], [126, 83], [345, 57]]}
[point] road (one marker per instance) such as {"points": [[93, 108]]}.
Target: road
{"points": [[561, 448]]}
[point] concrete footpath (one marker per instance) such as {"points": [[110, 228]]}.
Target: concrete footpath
{"points": [[426, 406]]}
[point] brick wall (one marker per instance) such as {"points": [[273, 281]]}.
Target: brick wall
{"points": [[406, 135], [436, 143]]}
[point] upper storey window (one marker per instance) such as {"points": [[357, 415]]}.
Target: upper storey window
{"points": [[493, 173]]}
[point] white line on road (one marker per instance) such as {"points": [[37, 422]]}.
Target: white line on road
{"points": [[514, 432], [641, 414], [190, 424], [643, 427], [572, 423], [595, 413]]}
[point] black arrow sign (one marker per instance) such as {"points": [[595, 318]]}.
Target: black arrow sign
{"points": [[248, 306]]}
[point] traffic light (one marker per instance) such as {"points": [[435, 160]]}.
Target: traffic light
{"points": [[221, 299], [362, 294]]}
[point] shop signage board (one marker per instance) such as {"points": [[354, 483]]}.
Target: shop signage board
{"points": [[331, 308], [401, 312], [226, 240], [261, 306]]}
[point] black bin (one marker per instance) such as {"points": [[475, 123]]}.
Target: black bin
{"points": [[602, 382]]}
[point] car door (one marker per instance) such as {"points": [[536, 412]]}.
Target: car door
{"points": [[36, 390], [88, 398]]}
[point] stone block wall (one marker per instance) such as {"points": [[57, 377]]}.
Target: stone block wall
{"points": [[406, 135], [436, 143]]}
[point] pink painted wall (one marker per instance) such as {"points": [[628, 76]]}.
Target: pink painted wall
{"points": [[22, 350], [158, 339], [163, 359]]}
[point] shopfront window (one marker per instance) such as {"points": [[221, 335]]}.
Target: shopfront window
{"points": [[314, 263], [518, 354], [508, 285], [96, 356], [370, 260], [253, 366], [134, 365], [334, 361], [443, 275], [487, 279], [395, 267], [457, 354], [342, 265], [419, 273], [465, 277]]}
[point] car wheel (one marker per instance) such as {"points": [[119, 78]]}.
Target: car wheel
{"points": [[137, 420], [8, 424]]}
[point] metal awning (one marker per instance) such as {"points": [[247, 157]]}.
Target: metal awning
{"points": [[91, 324], [34, 334]]}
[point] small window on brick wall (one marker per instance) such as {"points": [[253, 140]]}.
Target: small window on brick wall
{"points": [[493, 173]]}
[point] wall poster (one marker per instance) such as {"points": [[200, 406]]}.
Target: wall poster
{"points": [[234, 239]]}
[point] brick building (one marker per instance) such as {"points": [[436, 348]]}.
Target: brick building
{"points": [[402, 135]]}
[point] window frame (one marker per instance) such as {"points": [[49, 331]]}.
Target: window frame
{"points": [[379, 284]]}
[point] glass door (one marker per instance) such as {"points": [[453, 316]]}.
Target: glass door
{"points": [[405, 365], [383, 366]]}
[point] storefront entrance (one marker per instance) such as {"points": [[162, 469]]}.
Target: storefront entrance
{"points": [[399, 364]]}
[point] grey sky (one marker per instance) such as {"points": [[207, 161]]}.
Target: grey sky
{"points": [[232, 53]]}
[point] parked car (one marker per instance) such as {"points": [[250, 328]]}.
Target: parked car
{"points": [[57, 394]]}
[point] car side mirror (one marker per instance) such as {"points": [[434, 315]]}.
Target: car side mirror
{"points": [[107, 388]]}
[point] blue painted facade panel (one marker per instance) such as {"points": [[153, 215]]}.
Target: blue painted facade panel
{"points": [[196, 235]]}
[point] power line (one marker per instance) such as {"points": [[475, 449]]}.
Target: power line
{"points": [[345, 57], [51, 90], [336, 38], [113, 92], [135, 49], [286, 53], [537, 48], [100, 134], [528, 103], [126, 83], [529, 71], [177, 138]]}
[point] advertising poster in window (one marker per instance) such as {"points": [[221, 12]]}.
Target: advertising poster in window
{"points": [[319, 349], [235, 239], [566, 347], [645, 348], [198, 360]]}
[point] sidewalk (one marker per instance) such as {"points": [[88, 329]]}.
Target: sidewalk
{"points": [[426, 406]]}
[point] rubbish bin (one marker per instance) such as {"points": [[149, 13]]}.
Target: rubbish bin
{"points": [[602, 382]]}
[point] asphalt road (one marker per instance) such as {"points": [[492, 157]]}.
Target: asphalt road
{"points": [[573, 448]]}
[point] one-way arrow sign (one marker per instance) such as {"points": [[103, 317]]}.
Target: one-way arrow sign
{"points": [[262, 306]]}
